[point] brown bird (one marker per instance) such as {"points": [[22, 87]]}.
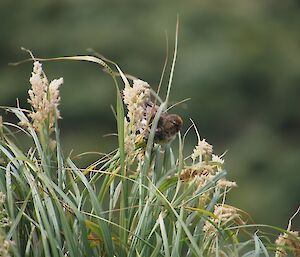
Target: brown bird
{"points": [[167, 128]]}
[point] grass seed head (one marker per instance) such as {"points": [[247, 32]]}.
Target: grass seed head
{"points": [[43, 97]]}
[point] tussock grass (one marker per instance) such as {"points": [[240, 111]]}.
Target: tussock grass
{"points": [[147, 202]]}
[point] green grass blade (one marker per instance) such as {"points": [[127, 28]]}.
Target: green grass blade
{"points": [[124, 192], [184, 226], [259, 247], [105, 233], [156, 251], [79, 224], [15, 222], [9, 192], [177, 245], [44, 227], [164, 235]]}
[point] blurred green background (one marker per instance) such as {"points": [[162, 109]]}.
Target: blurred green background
{"points": [[239, 61]]}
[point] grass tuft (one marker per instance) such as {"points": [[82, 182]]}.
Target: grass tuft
{"points": [[143, 202]]}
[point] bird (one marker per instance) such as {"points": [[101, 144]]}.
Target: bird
{"points": [[167, 128]]}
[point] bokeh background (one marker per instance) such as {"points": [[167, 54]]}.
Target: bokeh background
{"points": [[238, 61]]}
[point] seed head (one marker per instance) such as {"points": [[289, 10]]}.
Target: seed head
{"points": [[44, 98]]}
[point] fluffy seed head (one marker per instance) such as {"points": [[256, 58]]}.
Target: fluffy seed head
{"points": [[203, 148], [44, 98], [137, 100]]}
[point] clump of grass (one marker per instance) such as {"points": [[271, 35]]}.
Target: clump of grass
{"points": [[5, 245], [139, 200]]}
